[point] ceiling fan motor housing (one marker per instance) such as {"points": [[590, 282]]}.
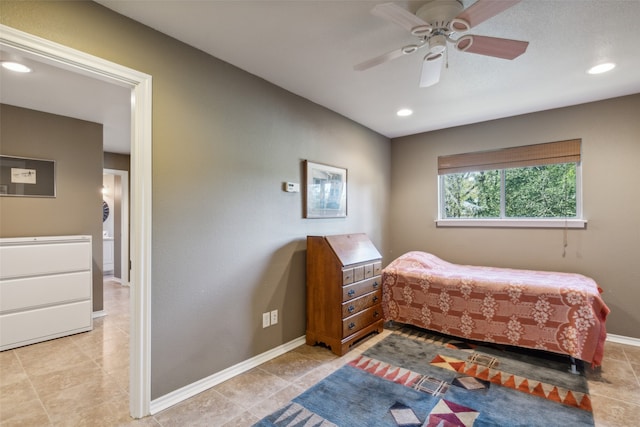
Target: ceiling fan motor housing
{"points": [[439, 13]]}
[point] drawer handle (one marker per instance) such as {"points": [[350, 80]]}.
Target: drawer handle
{"points": [[376, 314], [375, 298], [375, 285], [351, 292], [347, 277], [352, 325], [351, 309]]}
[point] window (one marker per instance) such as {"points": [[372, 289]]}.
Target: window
{"points": [[530, 186]]}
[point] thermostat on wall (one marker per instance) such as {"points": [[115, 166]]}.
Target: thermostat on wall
{"points": [[292, 187]]}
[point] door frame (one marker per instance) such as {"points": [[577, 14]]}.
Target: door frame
{"points": [[141, 179]]}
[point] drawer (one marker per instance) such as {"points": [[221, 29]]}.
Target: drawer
{"points": [[18, 260], [20, 294], [368, 271], [377, 268], [31, 326], [360, 288], [347, 276], [358, 273], [354, 306], [353, 324]]}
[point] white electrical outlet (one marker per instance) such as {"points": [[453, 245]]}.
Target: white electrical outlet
{"points": [[274, 317], [266, 320]]}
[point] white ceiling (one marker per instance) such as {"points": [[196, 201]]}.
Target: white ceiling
{"points": [[309, 47], [55, 90]]}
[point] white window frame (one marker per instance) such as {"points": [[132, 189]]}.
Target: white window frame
{"points": [[577, 222]]}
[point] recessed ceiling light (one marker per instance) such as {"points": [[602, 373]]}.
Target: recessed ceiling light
{"points": [[15, 66], [602, 68], [404, 112]]}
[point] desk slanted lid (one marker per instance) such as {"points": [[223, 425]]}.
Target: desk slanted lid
{"points": [[353, 248]]}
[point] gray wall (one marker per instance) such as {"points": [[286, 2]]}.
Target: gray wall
{"points": [[608, 250], [76, 146], [228, 243]]}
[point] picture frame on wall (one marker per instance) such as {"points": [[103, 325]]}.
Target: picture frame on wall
{"points": [[325, 191], [26, 177]]}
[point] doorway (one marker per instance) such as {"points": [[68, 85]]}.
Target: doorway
{"points": [[140, 85], [116, 227]]}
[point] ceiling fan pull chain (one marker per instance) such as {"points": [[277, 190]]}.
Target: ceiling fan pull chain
{"points": [[446, 58]]}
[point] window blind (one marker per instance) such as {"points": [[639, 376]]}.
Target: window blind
{"points": [[514, 157]]}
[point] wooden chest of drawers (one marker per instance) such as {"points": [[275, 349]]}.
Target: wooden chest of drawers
{"points": [[343, 290]]}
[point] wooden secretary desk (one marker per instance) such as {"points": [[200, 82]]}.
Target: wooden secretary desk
{"points": [[344, 290]]}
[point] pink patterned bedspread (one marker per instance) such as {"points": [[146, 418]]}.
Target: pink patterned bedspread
{"points": [[557, 312]]}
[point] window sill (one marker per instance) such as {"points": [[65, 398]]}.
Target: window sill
{"points": [[514, 223]]}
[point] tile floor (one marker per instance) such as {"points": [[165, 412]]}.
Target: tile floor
{"points": [[82, 380]]}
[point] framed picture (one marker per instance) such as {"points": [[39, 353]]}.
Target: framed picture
{"points": [[21, 176], [325, 191]]}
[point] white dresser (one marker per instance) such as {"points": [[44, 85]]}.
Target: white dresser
{"points": [[45, 288]]}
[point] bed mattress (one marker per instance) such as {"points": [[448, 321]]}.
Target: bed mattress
{"points": [[557, 312]]}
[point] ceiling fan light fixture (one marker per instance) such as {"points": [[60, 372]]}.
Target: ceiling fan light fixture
{"points": [[409, 49], [16, 67], [421, 30], [431, 69], [437, 44], [601, 68], [458, 25], [404, 112], [464, 43]]}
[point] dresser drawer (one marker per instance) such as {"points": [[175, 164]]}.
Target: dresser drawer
{"points": [[358, 273], [30, 326], [347, 276], [354, 306], [52, 258], [368, 271], [353, 324], [377, 268], [29, 292], [360, 288]]}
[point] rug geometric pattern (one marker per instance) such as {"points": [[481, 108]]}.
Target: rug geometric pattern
{"points": [[387, 371], [297, 415], [515, 382], [414, 378], [449, 414], [400, 375]]}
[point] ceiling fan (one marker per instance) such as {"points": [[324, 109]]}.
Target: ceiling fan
{"points": [[439, 22]]}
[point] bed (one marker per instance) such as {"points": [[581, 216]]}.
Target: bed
{"points": [[556, 312]]}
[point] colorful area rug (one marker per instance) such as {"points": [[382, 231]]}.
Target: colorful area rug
{"points": [[415, 378]]}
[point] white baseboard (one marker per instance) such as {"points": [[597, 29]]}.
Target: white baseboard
{"points": [[192, 389], [97, 314], [620, 339]]}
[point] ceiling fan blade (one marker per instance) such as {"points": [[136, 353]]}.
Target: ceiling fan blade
{"points": [[492, 46], [431, 69], [402, 17], [406, 50], [482, 10], [379, 60]]}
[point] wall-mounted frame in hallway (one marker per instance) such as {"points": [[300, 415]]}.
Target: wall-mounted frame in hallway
{"points": [[25, 177]]}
